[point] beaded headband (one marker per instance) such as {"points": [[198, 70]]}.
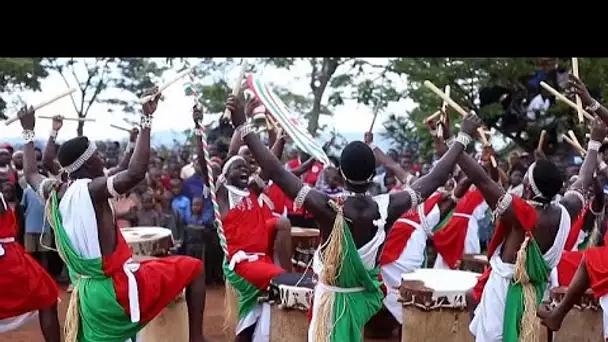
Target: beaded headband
{"points": [[535, 190], [77, 164], [354, 182]]}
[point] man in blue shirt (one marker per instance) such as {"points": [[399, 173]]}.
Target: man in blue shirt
{"points": [[35, 225]]}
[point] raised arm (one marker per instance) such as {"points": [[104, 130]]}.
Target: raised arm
{"points": [[235, 144], [591, 105], [27, 117], [574, 198], [462, 187], [50, 150], [126, 158], [102, 188], [197, 117], [385, 160], [289, 183], [422, 188], [305, 166]]}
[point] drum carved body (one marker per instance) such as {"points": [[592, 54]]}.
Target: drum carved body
{"points": [[148, 241]]}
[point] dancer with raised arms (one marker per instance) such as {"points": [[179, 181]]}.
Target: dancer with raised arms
{"points": [[352, 230], [114, 296]]}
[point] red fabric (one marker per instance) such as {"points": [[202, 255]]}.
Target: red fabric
{"points": [[25, 285], [449, 241], [166, 181], [596, 260], [248, 228], [159, 281], [575, 230], [526, 216], [568, 264], [311, 176], [278, 198], [400, 233]]}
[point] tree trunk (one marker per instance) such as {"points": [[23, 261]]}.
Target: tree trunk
{"points": [[79, 130]]}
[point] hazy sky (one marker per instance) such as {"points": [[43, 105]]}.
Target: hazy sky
{"points": [[175, 112]]}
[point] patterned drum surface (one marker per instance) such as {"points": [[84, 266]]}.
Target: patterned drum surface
{"points": [[148, 240], [436, 288], [292, 290]]}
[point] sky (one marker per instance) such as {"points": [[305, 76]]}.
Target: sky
{"points": [[174, 113]]}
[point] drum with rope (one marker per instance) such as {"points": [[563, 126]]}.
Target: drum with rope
{"points": [[583, 323], [148, 241], [434, 305], [171, 324], [474, 262], [291, 296], [304, 242]]}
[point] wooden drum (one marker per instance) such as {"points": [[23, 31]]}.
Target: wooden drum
{"points": [[434, 305], [582, 324], [290, 295], [150, 241], [474, 262], [304, 242], [171, 325]]}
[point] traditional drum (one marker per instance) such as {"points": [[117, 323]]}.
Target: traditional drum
{"points": [[304, 242], [474, 263], [583, 323], [290, 294], [171, 325], [434, 305], [151, 241]]}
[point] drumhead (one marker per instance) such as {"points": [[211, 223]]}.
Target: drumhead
{"points": [[294, 279], [136, 234], [444, 281], [304, 232]]}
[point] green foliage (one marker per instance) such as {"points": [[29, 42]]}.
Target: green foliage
{"points": [[19, 74], [466, 76]]}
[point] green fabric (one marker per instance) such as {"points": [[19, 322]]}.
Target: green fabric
{"points": [[353, 310], [538, 272], [444, 221], [584, 244], [102, 318], [247, 293]]}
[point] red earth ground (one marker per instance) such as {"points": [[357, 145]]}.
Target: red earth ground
{"points": [[213, 321]]}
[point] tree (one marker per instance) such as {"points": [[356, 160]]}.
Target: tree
{"points": [[93, 76], [19, 74], [470, 76]]}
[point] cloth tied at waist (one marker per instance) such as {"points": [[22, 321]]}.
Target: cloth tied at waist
{"points": [[241, 256], [5, 241], [336, 289]]}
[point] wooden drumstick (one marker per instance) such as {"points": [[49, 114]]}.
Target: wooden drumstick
{"points": [[431, 117], [581, 151], [565, 100], [166, 85], [271, 122], [579, 104], [120, 128], [66, 119], [574, 139], [237, 85], [43, 104], [460, 110], [541, 140]]}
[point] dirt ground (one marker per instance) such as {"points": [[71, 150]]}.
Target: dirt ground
{"points": [[213, 321]]}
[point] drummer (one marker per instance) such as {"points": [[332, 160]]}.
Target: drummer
{"points": [[531, 226], [357, 283], [104, 275]]}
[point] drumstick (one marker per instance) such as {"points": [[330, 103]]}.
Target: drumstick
{"points": [[581, 151], [120, 128], [43, 104], [579, 104], [431, 117], [65, 119], [166, 85], [376, 109], [460, 110], [237, 85], [574, 139], [487, 132], [565, 100], [541, 140]]}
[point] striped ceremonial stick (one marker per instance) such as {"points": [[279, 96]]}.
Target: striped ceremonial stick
{"points": [[189, 88]]}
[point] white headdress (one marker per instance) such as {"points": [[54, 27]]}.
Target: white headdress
{"points": [[77, 164]]}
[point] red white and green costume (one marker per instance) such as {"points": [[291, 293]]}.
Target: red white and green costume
{"points": [[461, 234], [499, 313], [249, 230], [404, 250], [25, 286], [116, 296]]}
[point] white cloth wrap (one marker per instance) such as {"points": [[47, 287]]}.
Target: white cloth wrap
{"points": [[294, 297], [410, 259], [5, 241], [368, 254], [487, 325], [454, 290], [80, 224]]}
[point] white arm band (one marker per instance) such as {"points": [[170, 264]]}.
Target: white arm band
{"points": [[298, 202], [110, 187]]}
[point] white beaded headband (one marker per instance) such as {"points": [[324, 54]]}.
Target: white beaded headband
{"points": [[535, 190], [77, 164]]}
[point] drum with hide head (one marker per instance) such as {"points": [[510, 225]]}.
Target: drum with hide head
{"points": [[291, 298], [474, 262], [304, 242], [583, 323], [434, 305], [171, 324], [150, 241]]}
